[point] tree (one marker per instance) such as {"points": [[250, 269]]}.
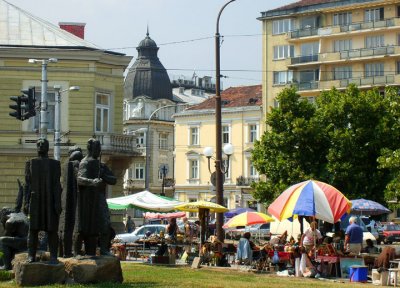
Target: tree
{"points": [[292, 148], [353, 121], [338, 141]]}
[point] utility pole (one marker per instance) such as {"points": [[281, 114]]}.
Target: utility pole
{"points": [[43, 101]]}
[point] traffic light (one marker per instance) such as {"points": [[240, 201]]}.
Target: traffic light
{"points": [[17, 107], [28, 103]]}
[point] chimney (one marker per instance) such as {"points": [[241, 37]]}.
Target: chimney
{"points": [[78, 29]]}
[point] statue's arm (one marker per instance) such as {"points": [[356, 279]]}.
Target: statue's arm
{"points": [[107, 175], [27, 190], [82, 179]]}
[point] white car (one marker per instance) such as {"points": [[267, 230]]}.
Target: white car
{"points": [[258, 231], [140, 232]]}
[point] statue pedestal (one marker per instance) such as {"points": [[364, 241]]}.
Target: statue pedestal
{"points": [[37, 273], [93, 269]]}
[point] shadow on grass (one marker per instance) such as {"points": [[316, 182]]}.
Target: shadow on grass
{"points": [[124, 285]]}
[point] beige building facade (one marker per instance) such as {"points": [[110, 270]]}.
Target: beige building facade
{"points": [[315, 45], [195, 130], [93, 111]]}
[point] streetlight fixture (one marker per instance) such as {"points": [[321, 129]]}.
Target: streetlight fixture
{"points": [[43, 101], [57, 119], [228, 151], [218, 129]]}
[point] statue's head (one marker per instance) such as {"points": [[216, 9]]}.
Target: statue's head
{"points": [[42, 147], [94, 148], [75, 153]]}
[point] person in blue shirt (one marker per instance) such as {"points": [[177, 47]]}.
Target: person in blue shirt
{"points": [[353, 237]]}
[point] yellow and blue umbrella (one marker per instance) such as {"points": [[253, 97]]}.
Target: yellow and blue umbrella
{"points": [[311, 198], [247, 219]]}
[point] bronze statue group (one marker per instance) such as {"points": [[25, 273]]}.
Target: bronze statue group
{"points": [[74, 216]]}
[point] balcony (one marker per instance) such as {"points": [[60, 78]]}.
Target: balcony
{"points": [[369, 81], [119, 144], [304, 59], [246, 181], [368, 25], [302, 86], [368, 52], [303, 33]]}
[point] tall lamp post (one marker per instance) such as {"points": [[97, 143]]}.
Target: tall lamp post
{"points": [[57, 119], [218, 130], [43, 101]]}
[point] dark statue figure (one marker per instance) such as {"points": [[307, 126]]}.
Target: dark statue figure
{"points": [[68, 201], [93, 217], [44, 197], [15, 238]]}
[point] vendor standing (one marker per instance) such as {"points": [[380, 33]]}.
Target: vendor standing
{"points": [[311, 237], [353, 236]]}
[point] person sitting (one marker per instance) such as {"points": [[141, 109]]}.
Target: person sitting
{"points": [[279, 239], [244, 253], [370, 248]]}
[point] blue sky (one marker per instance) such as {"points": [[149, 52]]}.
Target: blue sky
{"points": [[121, 25]]}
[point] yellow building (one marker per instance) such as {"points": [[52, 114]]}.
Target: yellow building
{"points": [[94, 110], [195, 130], [316, 45]]}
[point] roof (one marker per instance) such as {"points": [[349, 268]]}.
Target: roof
{"points": [[190, 96], [147, 76], [20, 28], [232, 97], [309, 6]]}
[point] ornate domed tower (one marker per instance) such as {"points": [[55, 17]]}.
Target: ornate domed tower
{"points": [[147, 76]]}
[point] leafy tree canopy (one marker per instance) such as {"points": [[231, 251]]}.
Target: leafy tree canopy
{"points": [[345, 139]]}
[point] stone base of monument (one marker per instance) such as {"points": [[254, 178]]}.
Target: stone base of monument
{"points": [[92, 269], [37, 273]]}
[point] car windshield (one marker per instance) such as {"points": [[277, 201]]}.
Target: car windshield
{"points": [[393, 227]]}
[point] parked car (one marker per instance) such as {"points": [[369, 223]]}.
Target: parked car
{"points": [[141, 232], [257, 231], [389, 233]]}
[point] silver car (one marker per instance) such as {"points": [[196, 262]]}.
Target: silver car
{"points": [[140, 232]]}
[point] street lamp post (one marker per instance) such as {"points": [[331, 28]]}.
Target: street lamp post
{"points": [[43, 101], [57, 119], [218, 130]]}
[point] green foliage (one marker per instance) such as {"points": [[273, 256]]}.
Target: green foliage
{"points": [[339, 140]]}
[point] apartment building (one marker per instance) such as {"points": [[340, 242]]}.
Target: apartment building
{"points": [[195, 129], [316, 45]]}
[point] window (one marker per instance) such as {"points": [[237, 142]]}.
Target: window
{"points": [[194, 136], [194, 169], [342, 19], [282, 26], [253, 133], [374, 69], [342, 45], [163, 141], [283, 77], [226, 134], [283, 52], [161, 172], [102, 112], [309, 76], [50, 110], [374, 41], [140, 139], [372, 15], [398, 67], [139, 171], [342, 72], [309, 22], [309, 48], [252, 169]]}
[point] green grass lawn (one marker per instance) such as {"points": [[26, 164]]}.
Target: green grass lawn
{"points": [[143, 275]]}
